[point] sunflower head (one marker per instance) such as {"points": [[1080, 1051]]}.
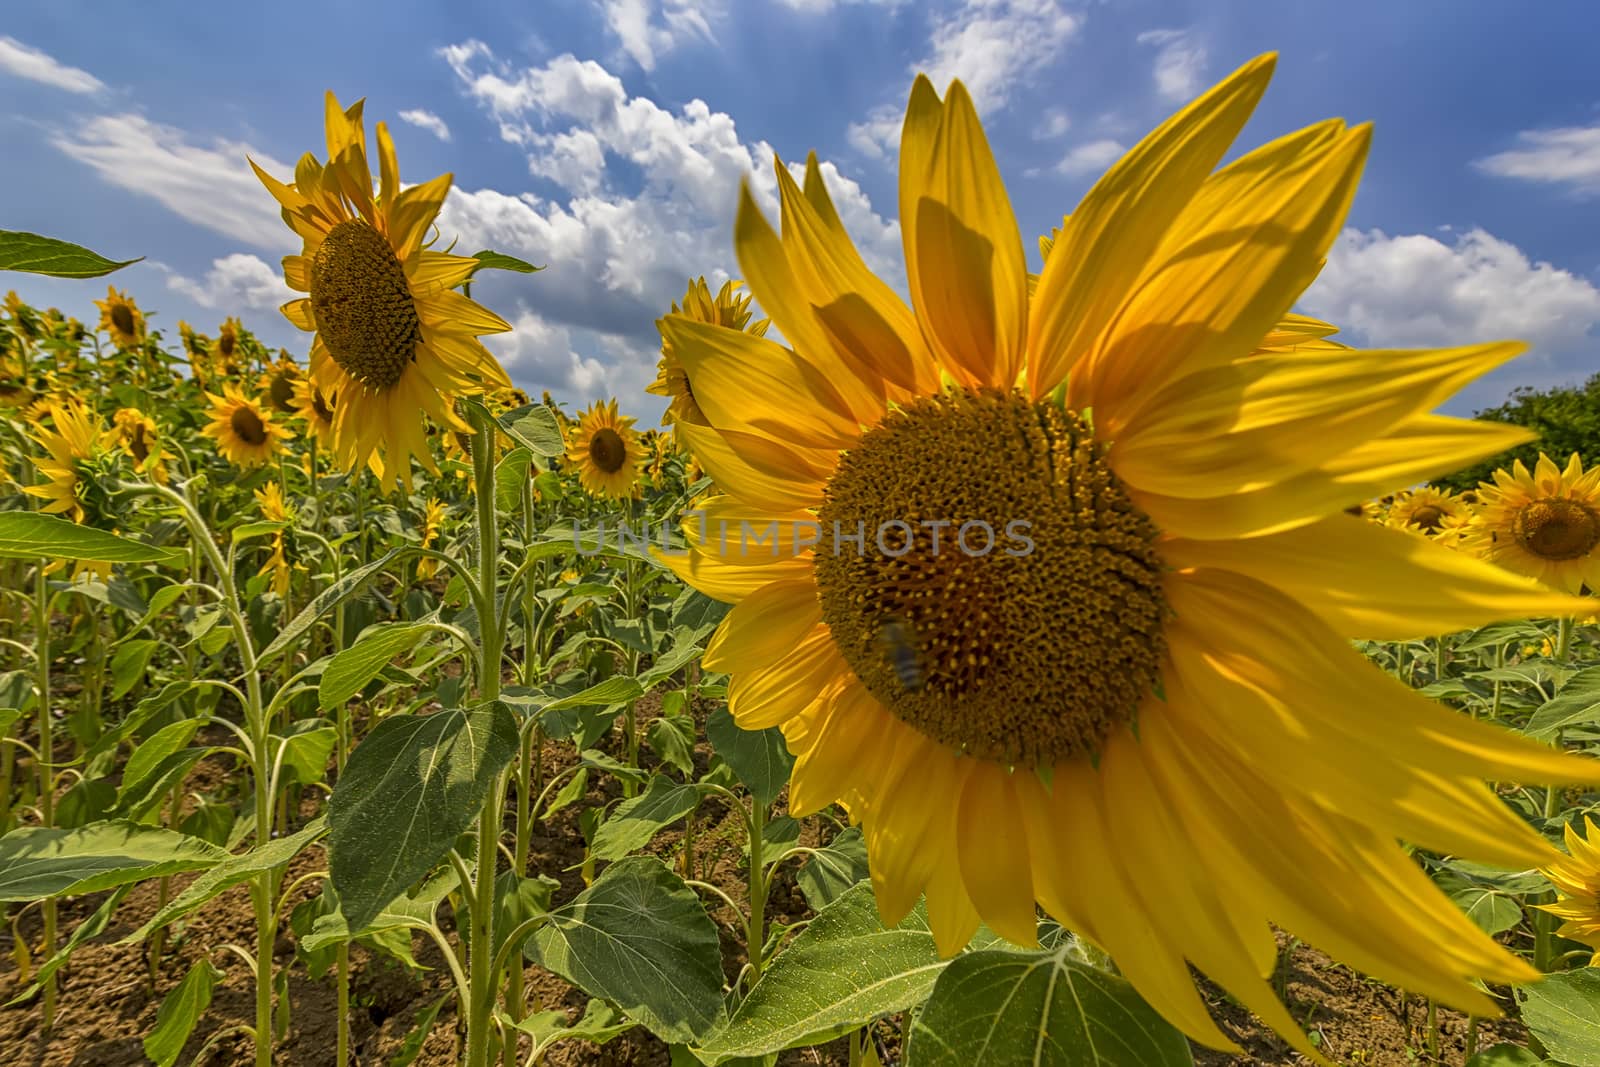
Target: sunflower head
{"points": [[121, 318], [279, 384], [394, 340], [316, 407], [246, 431], [228, 351], [1544, 523], [81, 465], [1577, 878], [728, 308], [604, 448], [1427, 510]]}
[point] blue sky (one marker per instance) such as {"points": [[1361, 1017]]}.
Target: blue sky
{"points": [[606, 138]]}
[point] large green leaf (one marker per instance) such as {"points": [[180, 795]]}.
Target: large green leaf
{"points": [[489, 259], [32, 535], [1563, 1012], [1577, 703], [843, 971], [228, 873], [327, 600], [535, 427], [352, 668], [640, 938], [637, 820], [760, 758], [37, 862], [833, 869], [20, 250], [408, 791], [1039, 1008], [180, 1010]]}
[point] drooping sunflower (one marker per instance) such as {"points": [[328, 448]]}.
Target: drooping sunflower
{"points": [[433, 513], [77, 442], [394, 340], [728, 308], [1426, 510], [1577, 876], [245, 431], [269, 498], [279, 384], [121, 318], [604, 447], [316, 407], [1121, 686], [1545, 524]]}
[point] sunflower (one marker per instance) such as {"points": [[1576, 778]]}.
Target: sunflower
{"points": [[316, 407], [76, 446], [1427, 510], [243, 429], [433, 513], [140, 438], [394, 340], [227, 355], [279, 384], [604, 448], [269, 498], [1545, 524], [728, 309], [1122, 686], [1577, 876], [121, 318]]}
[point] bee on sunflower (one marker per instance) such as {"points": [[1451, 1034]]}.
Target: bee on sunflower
{"points": [[604, 449], [728, 308], [1138, 706], [1544, 523], [121, 318], [393, 339], [246, 432]]}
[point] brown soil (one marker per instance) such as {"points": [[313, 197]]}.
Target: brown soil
{"points": [[107, 1003]]}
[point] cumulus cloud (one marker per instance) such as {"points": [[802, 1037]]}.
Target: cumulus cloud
{"points": [[541, 354], [1414, 290], [993, 46], [1052, 124], [1180, 63], [1090, 157], [210, 185], [648, 29], [822, 7], [1567, 156], [426, 120], [234, 282], [25, 61]]}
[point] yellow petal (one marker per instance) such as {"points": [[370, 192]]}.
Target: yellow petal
{"points": [[730, 584], [767, 696], [992, 848], [753, 485], [765, 626]]}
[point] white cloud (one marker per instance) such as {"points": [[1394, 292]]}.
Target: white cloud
{"points": [[1089, 158], [426, 120], [822, 7], [993, 46], [647, 29], [1416, 291], [1053, 123], [28, 62], [233, 282], [1566, 156], [1180, 64], [211, 186], [540, 354]]}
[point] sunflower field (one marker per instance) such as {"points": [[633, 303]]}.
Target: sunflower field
{"points": [[1081, 668]]}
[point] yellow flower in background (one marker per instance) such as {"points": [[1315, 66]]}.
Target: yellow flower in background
{"points": [[1122, 687], [394, 340], [140, 438], [316, 407], [78, 438], [1427, 510], [279, 384], [1545, 524], [121, 318], [244, 430], [728, 308], [1577, 876], [227, 355], [433, 514], [269, 498], [605, 449]]}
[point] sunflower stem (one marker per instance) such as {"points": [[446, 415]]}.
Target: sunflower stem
{"points": [[47, 789], [758, 891]]}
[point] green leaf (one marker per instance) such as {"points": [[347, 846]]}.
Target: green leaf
{"points": [[306, 749], [1577, 703], [146, 759], [509, 477], [414, 912], [20, 250], [36, 862], [841, 972], [180, 1010], [534, 427], [327, 600], [1561, 1011], [228, 873], [351, 669], [129, 664], [637, 820], [245, 531], [1506, 1056], [760, 758], [639, 937], [832, 870], [686, 648], [1040, 1008], [91, 927], [600, 1023], [491, 260], [33, 535], [1494, 912], [671, 737], [411, 1047], [408, 791], [101, 754]]}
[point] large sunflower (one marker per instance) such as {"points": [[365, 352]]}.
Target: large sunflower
{"points": [[77, 441], [728, 308], [604, 447], [244, 430], [121, 318], [1545, 524], [1577, 876], [1121, 686], [394, 340]]}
